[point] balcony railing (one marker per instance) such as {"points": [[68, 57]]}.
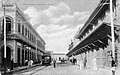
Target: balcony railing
{"points": [[18, 36]]}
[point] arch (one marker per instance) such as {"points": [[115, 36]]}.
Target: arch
{"points": [[26, 55], [9, 24], [6, 60], [18, 56], [23, 56]]}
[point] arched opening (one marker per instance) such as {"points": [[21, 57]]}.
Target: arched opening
{"points": [[18, 57], [28, 55], [25, 54], [23, 57], [6, 61], [8, 25]]}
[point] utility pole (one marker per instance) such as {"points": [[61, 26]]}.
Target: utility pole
{"points": [[4, 61], [113, 37], [4, 30], [112, 29]]}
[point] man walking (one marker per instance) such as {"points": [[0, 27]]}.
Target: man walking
{"points": [[54, 63]]}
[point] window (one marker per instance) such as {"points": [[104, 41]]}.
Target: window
{"points": [[33, 38], [30, 36], [19, 27], [22, 29], [8, 25], [25, 31], [28, 33]]}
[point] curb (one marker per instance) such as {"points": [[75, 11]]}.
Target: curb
{"points": [[7, 72]]}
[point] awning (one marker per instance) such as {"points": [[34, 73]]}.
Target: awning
{"points": [[94, 40]]}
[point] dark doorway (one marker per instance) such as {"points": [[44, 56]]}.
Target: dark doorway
{"points": [[23, 57], [28, 55], [8, 25], [6, 60], [18, 57]]}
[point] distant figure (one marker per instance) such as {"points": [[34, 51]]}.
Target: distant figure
{"points": [[59, 58], [113, 64], [85, 62], [31, 62], [74, 61], [78, 63], [94, 64], [26, 62], [54, 63]]}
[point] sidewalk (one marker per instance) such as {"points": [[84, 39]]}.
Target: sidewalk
{"points": [[16, 69], [99, 71], [108, 70]]}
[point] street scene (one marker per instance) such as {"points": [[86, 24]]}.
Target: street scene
{"points": [[60, 37], [63, 69]]}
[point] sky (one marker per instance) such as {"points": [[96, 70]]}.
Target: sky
{"points": [[57, 21]]}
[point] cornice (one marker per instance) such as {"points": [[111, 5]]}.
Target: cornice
{"points": [[92, 16], [29, 24]]}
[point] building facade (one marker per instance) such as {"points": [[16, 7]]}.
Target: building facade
{"points": [[94, 39], [23, 42], [59, 56]]}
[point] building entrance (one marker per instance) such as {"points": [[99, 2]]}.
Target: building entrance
{"points": [[6, 61], [18, 57]]}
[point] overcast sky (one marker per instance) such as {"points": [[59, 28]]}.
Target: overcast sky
{"points": [[57, 21]]}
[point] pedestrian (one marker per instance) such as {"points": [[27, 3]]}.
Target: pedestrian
{"points": [[113, 64], [94, 64], [81, 64], [26, 62], [54, 63], [85, 62], [74, 60], [78, 63], [31, 62]]}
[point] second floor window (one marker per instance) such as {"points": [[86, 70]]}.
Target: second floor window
{"points": [[28, 33], [25, 31], [19, 27], [22, 29], [8, 25]]}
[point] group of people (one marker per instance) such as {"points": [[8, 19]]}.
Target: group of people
{"points": [[54, 62], [28, 63], [74, 61], [81, 63]]}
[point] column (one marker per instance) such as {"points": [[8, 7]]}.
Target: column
{"points": [[24, 56], [27, 55], [21, 55]]}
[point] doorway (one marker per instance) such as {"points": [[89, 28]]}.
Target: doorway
{"points": [[6, 60], [18, 57]]}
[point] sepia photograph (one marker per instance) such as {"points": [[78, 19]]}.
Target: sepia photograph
{"points": [[59, 37]]}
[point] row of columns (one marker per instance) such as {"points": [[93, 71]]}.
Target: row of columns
{"points": [[99, 55], [25, 54], [102, 55]]}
